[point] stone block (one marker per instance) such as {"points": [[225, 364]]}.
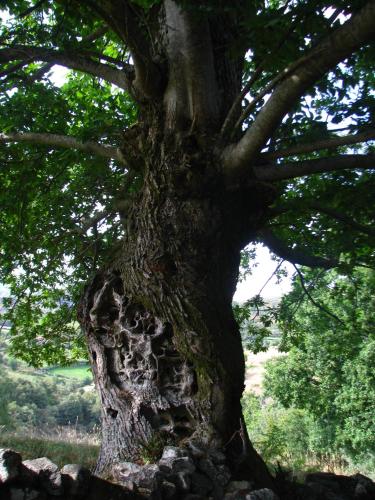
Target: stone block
{"points": [[234, 486], [75, 480], [10, 463], [135, 477], [168, 490], [47, 473], [26, 494], [173, 452], [201, 484], [263, 494], [175, 465]]}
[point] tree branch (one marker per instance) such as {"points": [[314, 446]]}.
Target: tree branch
{"points": [[359, 30], [229, 126], [75, 61], [312, 300], [93, 221], [330, 143], [120, 15], [307, 205], [267, 89], [343, 218], [308, 167], [294, 255], [191, 95], [31, 9], [64, 141], [15, 67], [99, 32], [235, 108]]}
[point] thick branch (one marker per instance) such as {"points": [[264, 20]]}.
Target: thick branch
{"points": [[294, 255], [359, 30], [75, 61], [318, 166], [330, 143], [64, 141], [191, 95], [99, 32], [121, 16]]}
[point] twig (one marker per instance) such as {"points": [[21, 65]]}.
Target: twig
{"points": [[313, 301], [272, 275], [31, 9]]}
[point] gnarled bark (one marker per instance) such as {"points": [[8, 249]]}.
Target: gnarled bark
{"points": [[165, 348]]}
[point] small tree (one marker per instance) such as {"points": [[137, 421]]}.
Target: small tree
{"points": [[231, 145], [329, 367]]}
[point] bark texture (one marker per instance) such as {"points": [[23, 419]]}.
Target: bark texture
{"points": [[164, 345]]}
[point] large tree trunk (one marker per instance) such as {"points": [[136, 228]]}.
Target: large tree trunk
{"points": [[165, 348]]}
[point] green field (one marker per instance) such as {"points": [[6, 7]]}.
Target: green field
{"points": [[78, 371]]}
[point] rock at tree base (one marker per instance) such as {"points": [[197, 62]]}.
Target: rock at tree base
{"points": [[48, 474], [264, 494], [170, 452], [179, 464], [10, 463], [238, 490], [168, 490], [186, 475], [328, 486], [40, 479], [136, 477], [75, 480], [201, 484], [26, 494]]}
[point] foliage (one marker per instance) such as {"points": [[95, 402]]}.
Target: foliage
{"points": [[290, 438], [152, 451], [280, 436], [329, 368], [256, 320], [49, 195]]}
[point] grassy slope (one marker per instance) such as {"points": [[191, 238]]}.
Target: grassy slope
{"points": [[61, 445], [80, 371], [60, 452]]}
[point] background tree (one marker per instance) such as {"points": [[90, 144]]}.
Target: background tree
{"points": [[233, 144], [329, 367]]}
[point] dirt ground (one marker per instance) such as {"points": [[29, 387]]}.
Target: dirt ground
{"points": [[255, 368]]}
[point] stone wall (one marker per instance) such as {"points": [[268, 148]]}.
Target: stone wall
{"points": [[180, 474]]}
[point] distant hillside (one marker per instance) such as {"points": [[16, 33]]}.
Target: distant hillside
{"points": [[46, 397]]}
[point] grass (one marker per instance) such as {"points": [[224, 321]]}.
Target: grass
{"points": [[19, 369], [80, 371], [62, 446]]}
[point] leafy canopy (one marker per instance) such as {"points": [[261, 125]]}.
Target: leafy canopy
{"points": [[59, 218]]}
